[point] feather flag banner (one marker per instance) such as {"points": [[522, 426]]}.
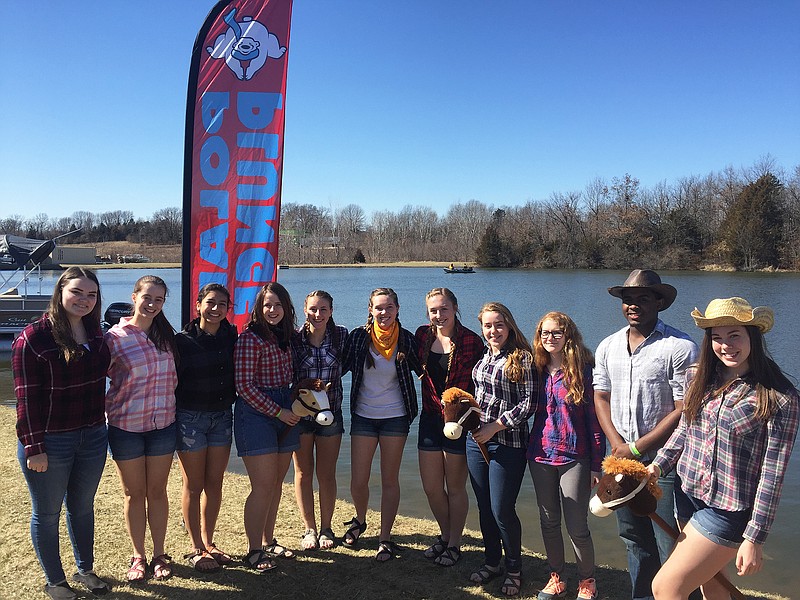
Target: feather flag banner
{"points": [[233, 156]]}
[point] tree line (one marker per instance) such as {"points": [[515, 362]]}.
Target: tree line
{"points": [[746, 219]]}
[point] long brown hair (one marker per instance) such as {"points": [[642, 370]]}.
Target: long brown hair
{"points": [[764, 372], [62, 331], [161, 331], [282, 332], [576, 355], [517, 346]]}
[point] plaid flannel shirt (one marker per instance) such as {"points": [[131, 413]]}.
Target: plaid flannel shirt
{"points": [[205, 369], [731, 460], [500, 398], [468, 351], [53, 396], [323, 363], [260, 365], [355, 353], [562, 431], [141, 396]]}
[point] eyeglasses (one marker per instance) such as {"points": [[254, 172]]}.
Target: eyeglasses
{"points": [[556, 335]]}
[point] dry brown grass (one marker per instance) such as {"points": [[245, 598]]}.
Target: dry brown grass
{"points": [[340, 573]]}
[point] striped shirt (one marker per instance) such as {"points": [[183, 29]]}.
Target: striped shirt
{"points": [[468, 350], [562, 431], [645, 384], [355, 355], [500, 398], [323, 363], [141, 396], [53, 396], [732, 460], [260, 365]]}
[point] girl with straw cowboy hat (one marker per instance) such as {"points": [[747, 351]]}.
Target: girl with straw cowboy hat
{"points": [[731, 449]]}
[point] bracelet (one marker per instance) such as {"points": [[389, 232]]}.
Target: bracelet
{"points": [[634, 450]]}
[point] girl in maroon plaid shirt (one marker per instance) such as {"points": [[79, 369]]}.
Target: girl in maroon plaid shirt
{"points": [[448, 351]]}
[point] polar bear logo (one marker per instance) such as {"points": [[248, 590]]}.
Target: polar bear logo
{"points": [[245, 46]]}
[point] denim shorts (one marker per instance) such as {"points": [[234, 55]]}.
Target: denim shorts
{"points": [[256, 433], [392, 427], [723, 527], [199, 429], [127, 445], [309, 425], [432, 437]]}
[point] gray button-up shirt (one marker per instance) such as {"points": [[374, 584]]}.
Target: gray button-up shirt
{"points": [[645, 384]]}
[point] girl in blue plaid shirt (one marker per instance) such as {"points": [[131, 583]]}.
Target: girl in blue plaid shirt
{"points": [[731, 450], [505, 389]]}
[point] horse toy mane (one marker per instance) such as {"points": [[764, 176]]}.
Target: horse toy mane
{"points": [[461, 413], [310, 399]]}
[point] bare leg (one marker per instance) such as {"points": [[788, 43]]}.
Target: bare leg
{"points": [[694, 561]]}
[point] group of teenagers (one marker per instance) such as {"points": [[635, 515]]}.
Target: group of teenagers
{"points": [[715, 427]]}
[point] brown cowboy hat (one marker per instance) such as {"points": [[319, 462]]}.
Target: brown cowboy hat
{"points": [[649, 280], [730, 312]]}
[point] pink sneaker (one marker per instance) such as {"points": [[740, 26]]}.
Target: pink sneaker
{"points": [[587, 590], [555, 588]]}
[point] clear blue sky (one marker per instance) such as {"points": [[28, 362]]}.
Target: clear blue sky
{"points": [[415, 102]]}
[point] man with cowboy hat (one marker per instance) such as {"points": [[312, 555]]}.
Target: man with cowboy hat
{"points": [[638, 394]]}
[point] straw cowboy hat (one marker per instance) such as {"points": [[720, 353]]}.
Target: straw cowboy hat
{"points": [[729, 312], [646, 279]]}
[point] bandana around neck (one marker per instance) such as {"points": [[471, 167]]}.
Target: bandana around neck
{"points": [[385, 341]]}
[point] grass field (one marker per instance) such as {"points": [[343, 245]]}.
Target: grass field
{"points": [[340, 573]]}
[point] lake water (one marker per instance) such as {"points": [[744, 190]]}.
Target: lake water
{"points": [[530, 294]]}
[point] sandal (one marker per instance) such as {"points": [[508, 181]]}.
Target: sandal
{"points": [[449, 557], [218, 555], [138, 569], [202, 561], [162, 567], [356, 529], [326, 539], [92, 582], [275, 550], [485, 574], [309, 540], [258, 561], [433, 552], [512, 584], [387, 550]]}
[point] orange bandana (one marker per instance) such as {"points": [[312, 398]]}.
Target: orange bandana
{"points": [[385, 341]]}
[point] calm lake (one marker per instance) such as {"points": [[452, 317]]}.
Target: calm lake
{"points": [[529, 294]]}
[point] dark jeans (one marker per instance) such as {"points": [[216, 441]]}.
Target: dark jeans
{"points": [[496, 488], [75, 462], [648, 545]]}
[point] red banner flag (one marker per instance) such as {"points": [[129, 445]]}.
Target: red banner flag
{"points": [[234, 151]]}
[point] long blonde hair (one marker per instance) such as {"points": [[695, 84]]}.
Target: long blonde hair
{"points": [[519, 350], [576, 354]]}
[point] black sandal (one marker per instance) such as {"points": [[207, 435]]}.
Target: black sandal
{"points": [[449, 557], [434, 551], [387, 550], [512, 585], [485, 574], [259, 561], [354, 532]]}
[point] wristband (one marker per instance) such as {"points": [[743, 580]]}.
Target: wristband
{"points": [[634, 450]]}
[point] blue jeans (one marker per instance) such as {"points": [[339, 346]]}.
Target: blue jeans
{"points": [[496, 488], [647, 544], [75, 462]]}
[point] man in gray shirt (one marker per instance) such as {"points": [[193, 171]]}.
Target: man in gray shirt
{"points": [[638, 394]]}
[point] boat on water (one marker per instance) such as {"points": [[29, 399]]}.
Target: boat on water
{"points": [[19, 304], [464, 269]]}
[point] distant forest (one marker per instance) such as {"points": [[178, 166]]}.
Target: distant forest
{"points": [[744, 219]]}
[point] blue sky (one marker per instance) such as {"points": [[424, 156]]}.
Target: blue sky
{"points": [[415, 102]]}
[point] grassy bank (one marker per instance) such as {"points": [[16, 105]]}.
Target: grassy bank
{"points": [[340, 573]]}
